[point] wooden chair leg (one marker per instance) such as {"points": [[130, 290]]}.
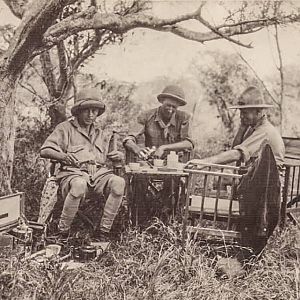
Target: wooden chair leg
{"points": [[293, 219]]}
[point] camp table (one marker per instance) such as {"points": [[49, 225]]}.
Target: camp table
{"points": [[146, 174]]}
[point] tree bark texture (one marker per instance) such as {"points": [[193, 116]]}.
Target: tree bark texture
{"points": [[7, 132], [27, 38]]}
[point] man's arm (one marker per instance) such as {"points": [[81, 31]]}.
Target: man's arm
{"points": [[238, 139], [52, 154], [55, 147], [131, 145], [186, 142], [182, 145], [221, 158], [62, 157], [130, 142]]}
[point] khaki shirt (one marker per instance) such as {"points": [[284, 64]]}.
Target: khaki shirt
{"points": [[256, 137], [150, 127], [68, 137]]}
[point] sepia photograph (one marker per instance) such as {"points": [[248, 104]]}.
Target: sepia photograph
{"points": [[150, 149]]}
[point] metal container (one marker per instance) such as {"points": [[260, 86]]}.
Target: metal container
{"points": [[22, 240], [87, 253]]}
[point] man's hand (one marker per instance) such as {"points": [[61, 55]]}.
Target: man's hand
{"points": [[70, 160], [194, 163], [144, 153], [115, 155], [159, 152]]}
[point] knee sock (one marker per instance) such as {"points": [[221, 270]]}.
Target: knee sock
{"points": [[110, 211], [69, 211]]}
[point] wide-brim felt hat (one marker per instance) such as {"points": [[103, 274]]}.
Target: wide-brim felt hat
{"points": [[251, 98], [87, 98], [174, 92]]}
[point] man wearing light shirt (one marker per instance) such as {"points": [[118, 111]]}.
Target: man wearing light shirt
{"points": [[255, 130]]}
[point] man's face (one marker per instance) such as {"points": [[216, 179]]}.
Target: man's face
{"points": [[87, 116], [168, 108], [250, 116]]}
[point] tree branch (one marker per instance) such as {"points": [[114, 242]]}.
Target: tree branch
{"points": [[101, 38], [90, 19], [63, 67], [36, 71], [17, 7], [280, 68], [32, 90], [48, 76], [28, 36], [258, 78], [218, 32], [203, 36]]}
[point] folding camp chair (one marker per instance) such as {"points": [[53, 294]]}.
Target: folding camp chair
{"points": [[235, 204], [291, 185], [89, 211], [211, 202]]}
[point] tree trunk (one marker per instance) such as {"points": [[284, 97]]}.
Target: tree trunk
{"points": [[27, 39], [7, 132], [57, 113]]}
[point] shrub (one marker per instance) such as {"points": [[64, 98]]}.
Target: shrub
{"points": [[30, 171]]}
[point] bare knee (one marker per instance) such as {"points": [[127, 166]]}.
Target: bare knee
{"points": [[116, 185], [78, 187]]}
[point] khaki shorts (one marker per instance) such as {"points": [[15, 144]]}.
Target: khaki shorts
{"points": [[98, 186]]}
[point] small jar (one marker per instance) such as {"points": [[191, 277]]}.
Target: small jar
{"points": [[172, 160], [88, 253]]}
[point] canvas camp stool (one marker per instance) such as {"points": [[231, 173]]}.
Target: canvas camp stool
{"points": [[211, 201]]}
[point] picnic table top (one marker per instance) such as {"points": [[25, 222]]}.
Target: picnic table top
{"points": [[147, 171]]}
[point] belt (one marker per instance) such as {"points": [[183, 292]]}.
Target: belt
{"points": [[88, 164], [85, 166]]}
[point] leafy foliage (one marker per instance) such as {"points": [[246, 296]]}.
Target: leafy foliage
{"points": [[30, 171], [121, 110], [223, 80]]}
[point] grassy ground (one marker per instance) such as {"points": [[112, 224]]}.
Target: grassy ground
{"points": [[153, 264]]}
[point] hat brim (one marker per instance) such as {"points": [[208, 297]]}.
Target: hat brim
{"points": [[86, 104], [251, 106], [162, 96]]}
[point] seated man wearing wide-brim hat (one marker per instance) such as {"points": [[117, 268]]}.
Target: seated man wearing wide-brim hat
{"points": [[255, 130], [260, 147], [166, 128], [82, 148]]}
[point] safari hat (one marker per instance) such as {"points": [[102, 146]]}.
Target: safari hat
{"points": [[251, 98], [85, 98], [173, 91]]}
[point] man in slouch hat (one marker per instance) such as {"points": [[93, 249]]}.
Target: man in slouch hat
{"points": [[255, 130]]}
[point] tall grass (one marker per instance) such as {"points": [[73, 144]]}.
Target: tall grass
{"points": [[155, 264]]}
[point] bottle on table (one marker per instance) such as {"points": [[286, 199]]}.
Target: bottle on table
{"points": [[172, 160]]}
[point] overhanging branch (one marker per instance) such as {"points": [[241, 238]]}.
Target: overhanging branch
{"points": [[28, 36], [17, 7], [90, 19]]}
